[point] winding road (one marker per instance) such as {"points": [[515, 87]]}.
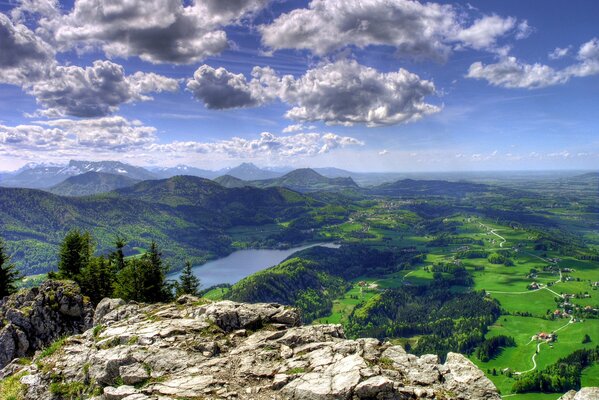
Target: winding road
{"points": [[494, 233]]}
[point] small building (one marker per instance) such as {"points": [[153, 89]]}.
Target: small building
{"points": [[549, 337]]}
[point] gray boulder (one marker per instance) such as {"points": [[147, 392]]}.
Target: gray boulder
{"points": [[33, 318]]}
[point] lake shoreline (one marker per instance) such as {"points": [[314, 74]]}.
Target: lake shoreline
{"points": [[242, 263]]}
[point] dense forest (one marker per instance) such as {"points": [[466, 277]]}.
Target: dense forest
{"points": [[187, 215], [560, 377], [314, 277]]}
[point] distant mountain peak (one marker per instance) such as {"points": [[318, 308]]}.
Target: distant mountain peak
{"points": [[248, 171]]}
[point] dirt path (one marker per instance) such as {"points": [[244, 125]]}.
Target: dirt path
{"points": [[493, 231]]}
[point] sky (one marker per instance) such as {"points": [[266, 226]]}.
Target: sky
{"points": [[365, 85]]}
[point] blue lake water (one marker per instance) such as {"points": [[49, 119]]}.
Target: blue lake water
{"points": [[242, 263]]}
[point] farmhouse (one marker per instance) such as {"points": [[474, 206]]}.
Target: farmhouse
{"points": [[549, 337]]}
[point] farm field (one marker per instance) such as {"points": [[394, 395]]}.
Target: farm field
{"points": [[525, 312]]}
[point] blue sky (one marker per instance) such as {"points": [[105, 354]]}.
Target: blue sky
{"points": [[367, 85]]}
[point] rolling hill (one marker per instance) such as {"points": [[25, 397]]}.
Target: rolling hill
{"points": [[45, 176], [416, 188], [91, 183], [250, 172], [304, 180], [187, 215], [231, 182]]}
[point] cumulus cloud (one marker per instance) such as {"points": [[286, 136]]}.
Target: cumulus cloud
{"points": [[346, 92], [343, 92], [220, 89], [484, 32], [27, 9], [107, 135], [113, 133], [158, 31], [414, 29], [94, 91], [30, 137], [268, 144], [298, 128], [383, 152], [23, 55], [100, 134], [511, 73], [558, 53]]}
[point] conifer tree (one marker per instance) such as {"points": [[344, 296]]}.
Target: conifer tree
{"points": [[8, 273], [118, 256], [97, 278], [188, 282], [144, 279], [76, 251]]}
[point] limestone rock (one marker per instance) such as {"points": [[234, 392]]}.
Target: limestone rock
{"points": [[587, 393], [230, 350], [32, 319]]}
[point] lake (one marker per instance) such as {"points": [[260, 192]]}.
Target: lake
{"points": [[242, 263]]}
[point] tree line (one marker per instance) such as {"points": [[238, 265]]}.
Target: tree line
{"points": [[139, 278]]}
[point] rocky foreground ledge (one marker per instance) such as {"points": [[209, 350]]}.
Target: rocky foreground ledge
{"points": [[226, 350]]}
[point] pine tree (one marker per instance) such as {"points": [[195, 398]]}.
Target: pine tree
{"points": [[144, 279], [188, 282], [8, 273], [97, 278], [76, 251], [128, 284], [118, 256]]}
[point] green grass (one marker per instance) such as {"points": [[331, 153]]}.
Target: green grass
{"points": [[53, 348], [343, 306], [535, 302], [519, 358], [11, 388], [590, 376], [216, 294]]}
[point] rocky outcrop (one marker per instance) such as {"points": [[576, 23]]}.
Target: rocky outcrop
{"points": [[587, 393], [229, 350], [32, 319]]}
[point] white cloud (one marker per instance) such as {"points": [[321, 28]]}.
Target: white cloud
{"points": [[220, 89], [298, 128], [343, 92], [383, 152], [414, 29], [34, 137], [23, 55], [268, 144], [28, 9], [347, 93], [558, 53], [511, 73], [158, 31], [94, 91], [483, 33], [115, 134]]}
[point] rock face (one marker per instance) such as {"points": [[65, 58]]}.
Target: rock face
{"points": [[587, 393], [32, 319], [229, 350]]}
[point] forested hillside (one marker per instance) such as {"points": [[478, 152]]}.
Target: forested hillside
{"points": [[187, 215]]}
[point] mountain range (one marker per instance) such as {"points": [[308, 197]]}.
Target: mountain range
{"points": [[44, 176], [90, 183], [187, 215], [302, 180]]}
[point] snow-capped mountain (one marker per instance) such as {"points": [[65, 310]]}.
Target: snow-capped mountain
{"points": [[169, 172], [41, 176]]}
